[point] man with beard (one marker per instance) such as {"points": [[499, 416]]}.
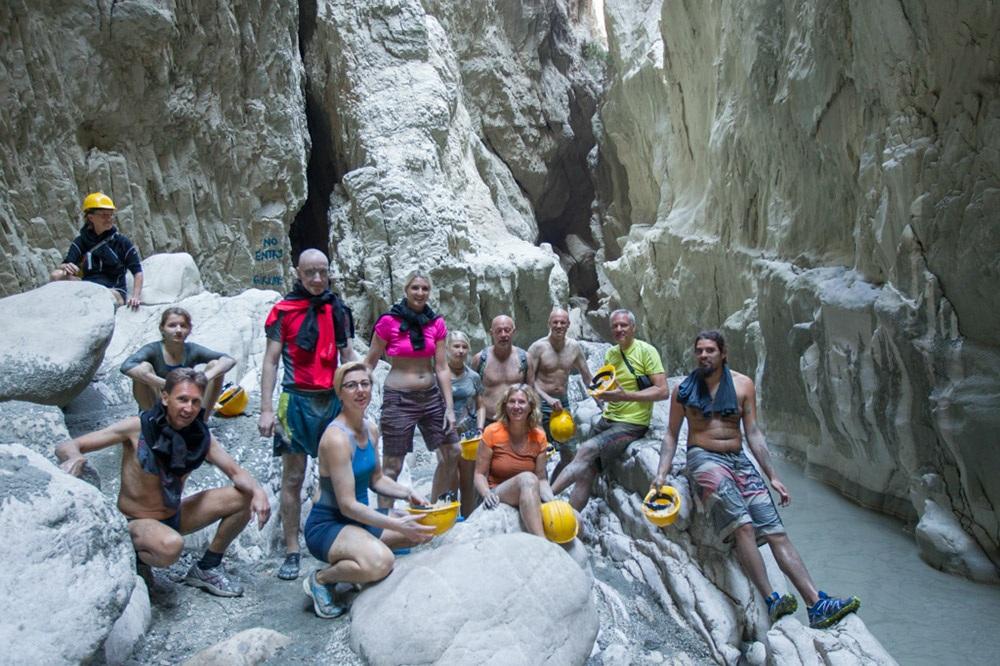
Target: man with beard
{"points": [[160, 448], [309, 330], [550, 361], [628, 408], [715, 401], [100, 254], [500, 365]]}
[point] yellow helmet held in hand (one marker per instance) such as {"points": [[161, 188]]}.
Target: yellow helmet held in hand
{"points": [[561, 426], [441, 518], [233, 401], [662, 506], [605, 379], [559, 521], [98, 200]]}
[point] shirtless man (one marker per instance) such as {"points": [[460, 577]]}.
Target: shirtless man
{"points": [[500, 365], [550, 362], [160, 448], [715, 400]]}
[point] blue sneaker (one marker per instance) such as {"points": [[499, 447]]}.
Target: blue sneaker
{"points": [[827, 611], [322, 598], [779, 607]]}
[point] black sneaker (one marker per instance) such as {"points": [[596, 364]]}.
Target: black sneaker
{"points": [[289, 569]]}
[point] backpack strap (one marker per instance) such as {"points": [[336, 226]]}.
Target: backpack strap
{"points": [[482, 360], [524, 365]]}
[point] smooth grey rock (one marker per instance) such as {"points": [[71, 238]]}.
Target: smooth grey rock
{"points": [[39, 427], [55, 339], [71, 567], [510, 599], [946, 546], [247, 648], [169, 278], [130, 626]]}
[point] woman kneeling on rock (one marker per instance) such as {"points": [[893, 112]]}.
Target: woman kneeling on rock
{"points": [[355, 539], [510, 466]]}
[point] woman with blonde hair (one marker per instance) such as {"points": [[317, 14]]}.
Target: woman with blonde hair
{"points": [[470, 411], [510, 465], [417, 391], [342, 529]]}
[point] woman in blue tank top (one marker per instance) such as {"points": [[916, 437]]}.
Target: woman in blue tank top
{"points": [[342, 529]]}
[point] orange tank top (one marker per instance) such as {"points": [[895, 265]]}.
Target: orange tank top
{"points": [[507, 463]]}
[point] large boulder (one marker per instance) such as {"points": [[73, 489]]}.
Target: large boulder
{"points": [[54, 342], [510, 599], [169, 278], [247, 648], [39, 427], [69, 565]]}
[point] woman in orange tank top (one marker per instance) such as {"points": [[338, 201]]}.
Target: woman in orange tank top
{"points": [[510, 465]]}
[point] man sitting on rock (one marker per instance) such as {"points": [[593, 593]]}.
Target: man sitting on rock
{"points": [[160, 449], [550, 361], [715, 400], [500, 365], [627, 412]]}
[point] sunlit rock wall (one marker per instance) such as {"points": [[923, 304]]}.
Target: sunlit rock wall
{"points": [[450, 147], [820, 180], [188, 114]]}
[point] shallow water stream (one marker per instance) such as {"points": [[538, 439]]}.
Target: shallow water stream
{"points": [[921, 615]]}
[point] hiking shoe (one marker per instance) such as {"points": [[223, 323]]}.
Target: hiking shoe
{"points": [[779, 607], [214, 581], [827, 611], [322, 598], [290, 567]]}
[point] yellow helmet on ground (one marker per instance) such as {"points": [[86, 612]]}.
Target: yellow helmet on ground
{"points": [[561, 426], [441, 518], [233, 401], [559, 521], [662, 506], [98, 200]]}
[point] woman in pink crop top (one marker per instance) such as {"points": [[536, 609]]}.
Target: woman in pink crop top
{"points": [[417, 391]]}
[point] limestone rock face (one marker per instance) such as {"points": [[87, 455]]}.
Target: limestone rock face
{"points": [[772, 170], [439, 146], [191, 117], [168, 278], [55, 339], [508, 599], [64, 590]]}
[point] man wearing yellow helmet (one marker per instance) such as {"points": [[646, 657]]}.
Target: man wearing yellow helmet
{"points": [[550, 362], [100, 254]]}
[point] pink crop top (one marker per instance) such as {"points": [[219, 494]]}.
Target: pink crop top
{"points": [[397, 343]]}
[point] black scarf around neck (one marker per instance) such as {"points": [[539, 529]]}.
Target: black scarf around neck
{"points": [[309, 331], [694, 393], [413, 322], [170, 453]]}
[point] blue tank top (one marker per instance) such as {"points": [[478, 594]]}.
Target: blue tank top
{"points": [[362, 464]]}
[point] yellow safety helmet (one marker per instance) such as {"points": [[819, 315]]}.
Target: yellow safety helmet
{"points": [[470, 447], [561, 426], [605, 379], [98, 200], [441, 518], [559, 521], [233, 401], [662, 506]]}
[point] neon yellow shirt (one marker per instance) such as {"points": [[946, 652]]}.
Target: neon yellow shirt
{"points": [[646, 361]]}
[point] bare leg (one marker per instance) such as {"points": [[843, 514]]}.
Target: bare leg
{"points": [[208, 506], [750, 559], [467, 490], [565, 457], [448, 456], [356, 557], [521, 491], [580, 474], [791, 564], [212, 391], [156, 544], [145, 395], [293, 472], [391, 467]]}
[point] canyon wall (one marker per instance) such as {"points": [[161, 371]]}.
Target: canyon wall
{"points": [[820, 181]]}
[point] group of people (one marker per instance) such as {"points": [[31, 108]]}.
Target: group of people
{"points": [[504, 395]]}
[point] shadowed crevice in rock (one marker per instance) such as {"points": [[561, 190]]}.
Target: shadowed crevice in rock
{"points": [[311, 227]]}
